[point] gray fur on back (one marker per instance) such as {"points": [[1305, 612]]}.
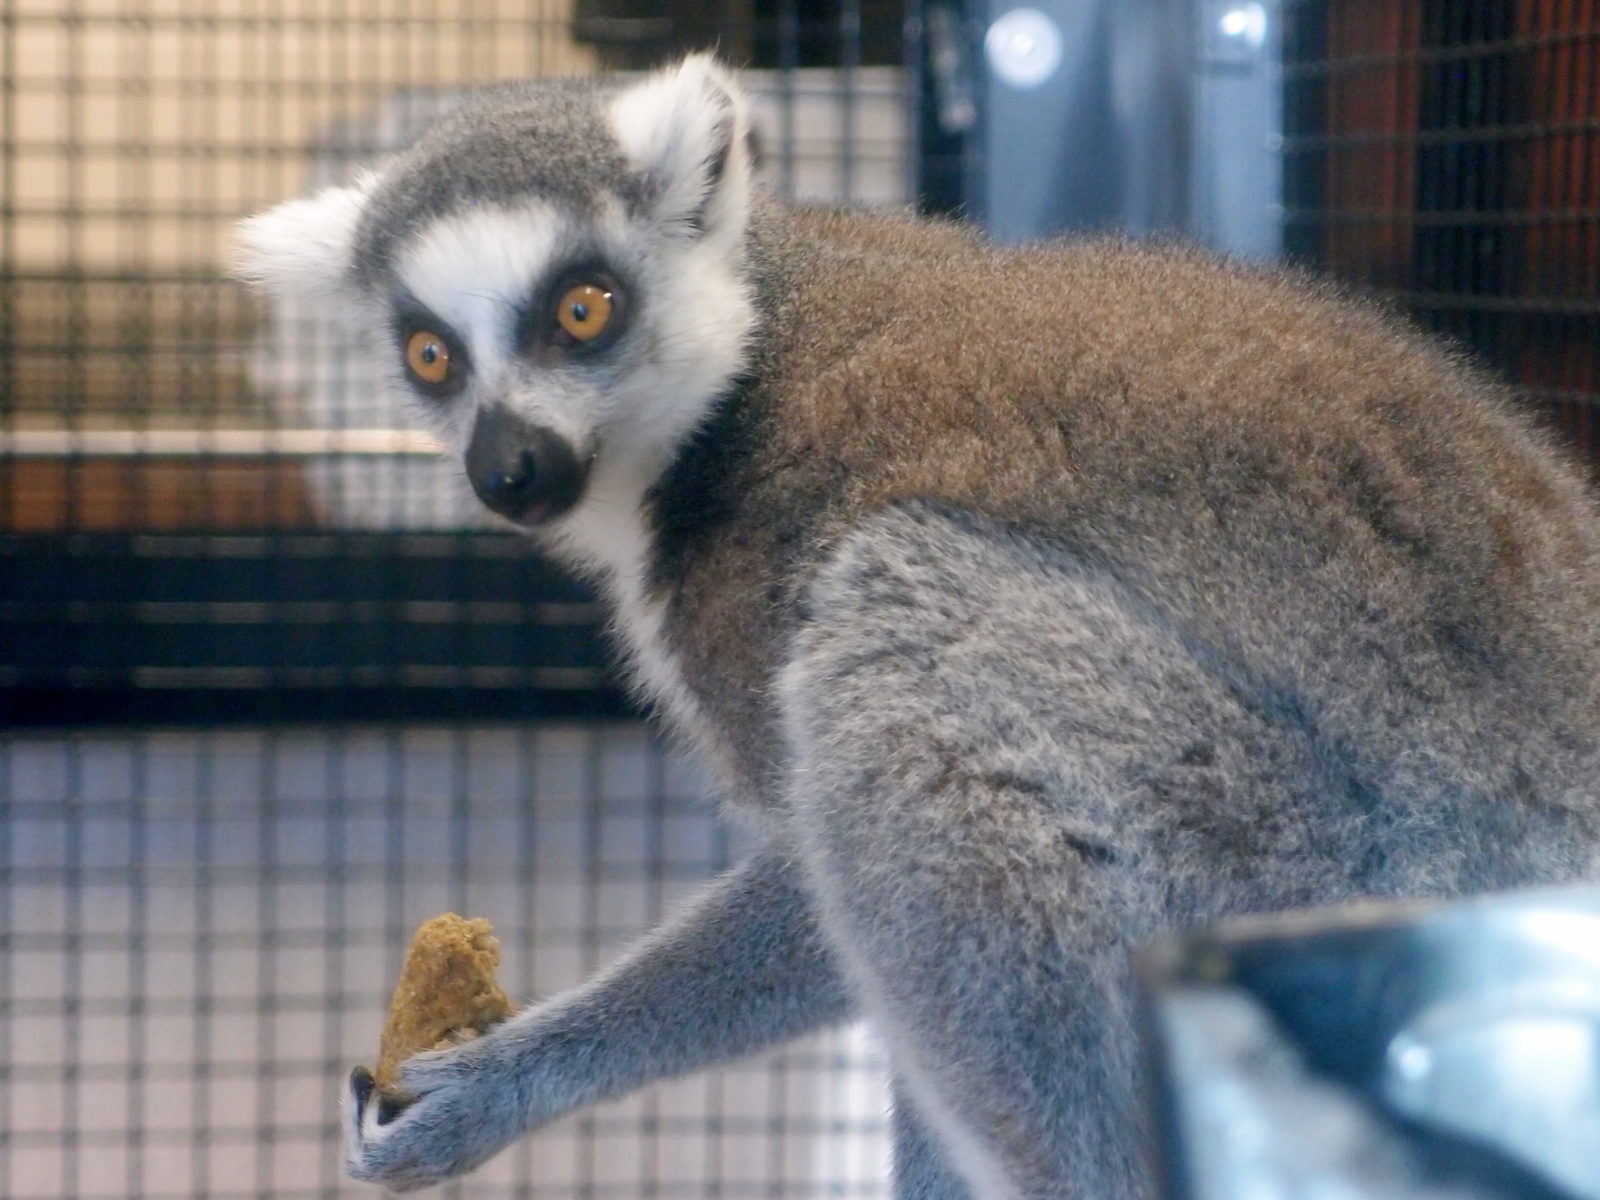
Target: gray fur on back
{"points": [[988, 723]]}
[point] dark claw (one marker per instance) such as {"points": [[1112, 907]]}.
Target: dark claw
{"points": [[361, 1085]]}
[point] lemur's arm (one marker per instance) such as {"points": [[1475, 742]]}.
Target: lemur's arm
{"points": [[741, 969]]}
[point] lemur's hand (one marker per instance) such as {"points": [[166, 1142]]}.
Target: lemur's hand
{"points": [[467, 1108]]}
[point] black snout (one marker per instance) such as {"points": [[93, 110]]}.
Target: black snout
{"points": [[521, 470]]}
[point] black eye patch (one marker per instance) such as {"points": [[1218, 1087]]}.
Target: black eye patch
{"points": [[577, 311], [433, 355]]}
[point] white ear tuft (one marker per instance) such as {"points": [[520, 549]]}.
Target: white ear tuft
{"points": [[300, 249], [686, 131]]}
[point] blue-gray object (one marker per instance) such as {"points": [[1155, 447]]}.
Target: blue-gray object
{"points": [[1383, 1051], [1147, 116]]}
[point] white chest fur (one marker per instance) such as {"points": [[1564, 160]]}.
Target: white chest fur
{"points": [[606, 539]]}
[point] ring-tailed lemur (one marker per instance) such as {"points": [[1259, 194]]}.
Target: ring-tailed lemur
{"points": [[1037, 599]]}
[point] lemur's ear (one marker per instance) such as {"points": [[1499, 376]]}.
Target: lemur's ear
{"points": [[302, 248], [686, 131]]}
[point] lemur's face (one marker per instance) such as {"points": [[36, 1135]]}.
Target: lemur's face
{"points": [[553, 273]]}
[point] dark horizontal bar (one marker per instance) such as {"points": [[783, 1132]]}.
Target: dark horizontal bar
{"points": [[1529, 306], [54, 704], [300, 626], [1438, 55], [1454, 136], [253, 874], [1412, 218]]}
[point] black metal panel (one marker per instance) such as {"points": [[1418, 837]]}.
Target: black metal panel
{"points": [[339, 626]]}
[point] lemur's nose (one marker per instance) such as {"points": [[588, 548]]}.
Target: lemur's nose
{"points": [[521, 470]]}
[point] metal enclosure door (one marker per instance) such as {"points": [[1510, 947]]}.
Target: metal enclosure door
{"points": [[1145, 116]]}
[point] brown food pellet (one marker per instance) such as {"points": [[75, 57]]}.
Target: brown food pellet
{"points": [[446, 994]]}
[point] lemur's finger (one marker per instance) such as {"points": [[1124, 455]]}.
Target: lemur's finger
{"points": [[358, 1093], [380, 1149], [361, 1086]]}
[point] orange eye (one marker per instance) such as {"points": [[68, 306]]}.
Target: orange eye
{"points": [[584, 311], [428, 356]]}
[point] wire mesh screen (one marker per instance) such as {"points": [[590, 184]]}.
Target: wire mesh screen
{"points": [[199, 929], [1448, 154], [141, 389], [274, 690]]}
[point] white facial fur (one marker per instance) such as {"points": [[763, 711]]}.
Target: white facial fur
{"points": [[475, 271], [301, 249], [689, 324], [677, 123], [473, 267], [685, 341], [626, 410]]}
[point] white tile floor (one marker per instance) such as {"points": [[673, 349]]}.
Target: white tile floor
{"points": [[199, 931]]}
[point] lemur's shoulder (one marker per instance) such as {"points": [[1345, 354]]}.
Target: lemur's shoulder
{"points": [[1229, 435]]}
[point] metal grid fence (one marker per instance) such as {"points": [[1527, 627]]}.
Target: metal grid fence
{"points": [[275, 692], [182, 473], [197, 930], [140, 388], [1448, 155]]}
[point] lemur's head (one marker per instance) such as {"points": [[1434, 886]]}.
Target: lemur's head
{"points": [[554, 270]]}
